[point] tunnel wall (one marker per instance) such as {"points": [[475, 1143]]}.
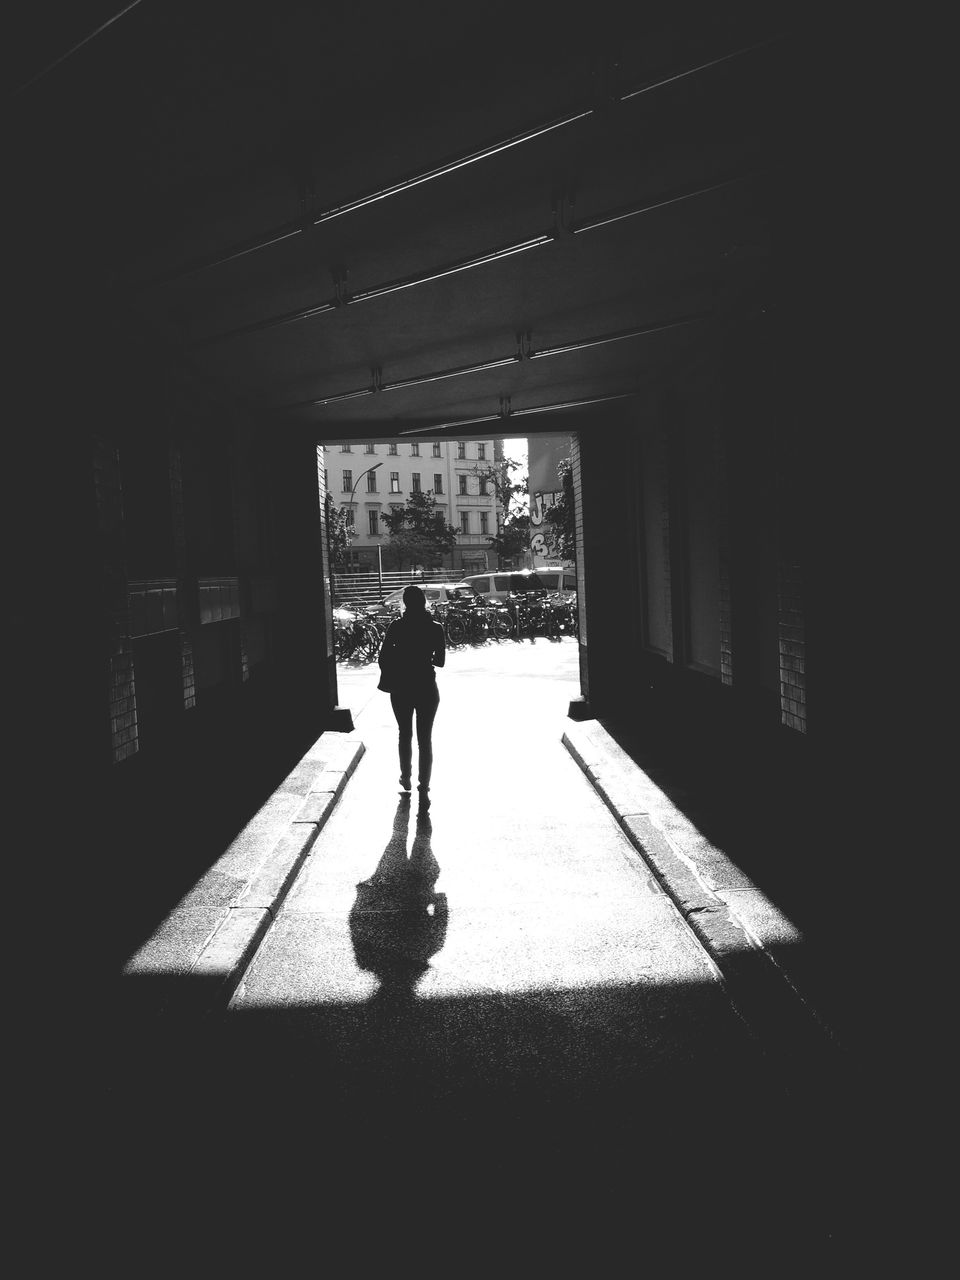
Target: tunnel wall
{"points": [[695, 504], [166, 587]]}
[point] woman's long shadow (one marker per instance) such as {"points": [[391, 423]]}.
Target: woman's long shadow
{"points": [[398, 920]]}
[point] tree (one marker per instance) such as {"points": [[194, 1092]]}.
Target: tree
{"points": [[418, 532], [339, 534], [561, 517], [513, 539], [513, 536]]}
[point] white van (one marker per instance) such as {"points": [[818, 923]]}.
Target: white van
{"points": [[436, 593], [502, 583], [556, 578]]}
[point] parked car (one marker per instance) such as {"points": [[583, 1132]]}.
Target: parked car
{"points": [[436, 593], [557, 579], [499, 585]]}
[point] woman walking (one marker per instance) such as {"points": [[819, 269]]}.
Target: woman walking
{"points": [[412, 648]]}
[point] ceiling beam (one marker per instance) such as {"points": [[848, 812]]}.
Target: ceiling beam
{"points": [[524, 352], [507, 414], [478, 260], [287, 231]]}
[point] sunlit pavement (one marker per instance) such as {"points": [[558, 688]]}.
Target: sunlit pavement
{"points": [[543, 894], [499, 1000]]}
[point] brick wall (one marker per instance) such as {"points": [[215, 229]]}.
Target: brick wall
{"points": [[723, 556], [791, 605], [302, 621], [325, 568], [792, 643], [121, 682], [186, 595], [660, 459], [577, 473], [243, 580]]}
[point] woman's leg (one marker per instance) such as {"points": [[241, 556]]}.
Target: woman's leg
{"points": [[403, 712], [427, 705]]}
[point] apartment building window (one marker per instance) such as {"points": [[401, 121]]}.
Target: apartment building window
{"points": [[484, 522], [371, 482], [462, 481], [373, 520], [371, 448], [394, 481], [483, 486], [345, 448], [415, 482], [481, 451], [326, 480], [392, 449], [351, 522], [464, 521], [437, 452], [414, 451], [347, 480], [437, 482], [461, 449]]}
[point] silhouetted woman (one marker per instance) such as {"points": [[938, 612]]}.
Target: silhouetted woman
{"points": [[412, 648]]}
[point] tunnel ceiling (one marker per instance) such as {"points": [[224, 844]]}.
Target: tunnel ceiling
{"points": [[498, 207]]}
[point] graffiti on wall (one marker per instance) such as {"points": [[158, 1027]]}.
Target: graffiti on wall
{"points": [[541, 541], [545, 453]]}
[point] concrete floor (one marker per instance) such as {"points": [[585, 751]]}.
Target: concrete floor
{"points": [[488, 1029]]}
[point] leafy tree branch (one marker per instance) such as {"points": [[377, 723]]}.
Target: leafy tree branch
{"points": [[418, 533], [561, 517]]}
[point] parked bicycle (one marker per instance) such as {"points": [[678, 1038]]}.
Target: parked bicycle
{"points": [[357, 636], [525, 615], [474, 622], [557, 616], [359, 628]]}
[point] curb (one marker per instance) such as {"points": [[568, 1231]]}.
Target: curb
{"points": [[746, 936], [198, 955]]}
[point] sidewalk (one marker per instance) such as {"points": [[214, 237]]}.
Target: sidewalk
{"points": [[500, 1014], [774, 981], [778, 978], [198, 954]]}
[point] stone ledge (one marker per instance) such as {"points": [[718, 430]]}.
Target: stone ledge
{"points": [[739, 928], [271, 883], [208, 939], [232, 946]]}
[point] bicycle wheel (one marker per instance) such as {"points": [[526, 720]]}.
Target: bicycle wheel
{"points": [[456, 629], [361, 645], [350, 645], [372, 640]]}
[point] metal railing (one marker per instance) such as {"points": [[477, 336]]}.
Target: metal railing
{"points": [[364, 587]]}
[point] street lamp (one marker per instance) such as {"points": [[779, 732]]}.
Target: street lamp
{"points": [[379, 555]]}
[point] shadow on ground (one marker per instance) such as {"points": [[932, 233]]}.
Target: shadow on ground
{"points": [[161, 830], [547, 1128], [534, 1126], [398, 920], [560, 1119], [775, 813]]}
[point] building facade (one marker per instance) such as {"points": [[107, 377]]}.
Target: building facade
{"points": [[374, 477]]}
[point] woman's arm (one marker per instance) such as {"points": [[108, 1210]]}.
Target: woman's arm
{"points": [[439, 647], [389, 643]]}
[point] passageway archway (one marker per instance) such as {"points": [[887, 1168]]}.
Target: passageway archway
{"points": [[600, 229]]}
